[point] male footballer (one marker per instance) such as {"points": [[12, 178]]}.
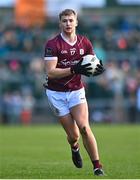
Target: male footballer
{"points": [[65, 90]]}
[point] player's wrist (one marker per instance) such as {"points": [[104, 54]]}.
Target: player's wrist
{"points": [[76, 69], [72, 70]]}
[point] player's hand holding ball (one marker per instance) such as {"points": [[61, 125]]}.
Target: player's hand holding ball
{"points": [[90, 65], [97, 67], [84, 69]]}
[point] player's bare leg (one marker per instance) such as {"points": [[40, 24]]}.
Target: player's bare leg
{"points": [[80, 114], [73, 136]]}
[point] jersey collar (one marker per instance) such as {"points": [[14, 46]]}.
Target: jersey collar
{"points": [[72, 44]]}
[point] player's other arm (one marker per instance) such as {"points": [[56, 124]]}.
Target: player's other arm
{"points": [[54, 72]]}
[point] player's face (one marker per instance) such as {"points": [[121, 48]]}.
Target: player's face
{"points": [[68, 24]]}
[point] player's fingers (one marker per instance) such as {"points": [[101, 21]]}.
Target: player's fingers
{"points": [[88, 74], [89, 68], [101, 62], [79, 63], [87, 65], [99, 69], [96, 74], [100, 66]]}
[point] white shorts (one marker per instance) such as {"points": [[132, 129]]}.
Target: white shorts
{"points": [[61, 102]]}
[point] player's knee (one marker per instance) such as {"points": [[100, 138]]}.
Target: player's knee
{"points": [[84, 130], [73, 139]]}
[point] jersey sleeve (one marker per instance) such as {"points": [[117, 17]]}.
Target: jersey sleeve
{"points": [[50, 51], [89, 47]]}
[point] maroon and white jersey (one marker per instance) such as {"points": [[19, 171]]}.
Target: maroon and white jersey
{"points": [[68, 54]]}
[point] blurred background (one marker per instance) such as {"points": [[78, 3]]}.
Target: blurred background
{"points": [[113, 26]]}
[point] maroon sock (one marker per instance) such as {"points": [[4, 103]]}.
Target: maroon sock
{"points": [[96, 164]]}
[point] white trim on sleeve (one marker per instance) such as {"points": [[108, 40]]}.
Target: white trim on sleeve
{"points": [[50, 58]]}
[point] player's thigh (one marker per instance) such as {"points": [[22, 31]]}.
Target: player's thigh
{"points": [[69, 126], [57, 102], [80, 114]]}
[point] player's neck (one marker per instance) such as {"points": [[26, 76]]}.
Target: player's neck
{"points": [[69, 37]]}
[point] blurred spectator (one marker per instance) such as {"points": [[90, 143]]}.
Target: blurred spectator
{"points": [[138, 104], [1, 110], [6, 108], [138, 97], [36, 71], [129, 90], [27, 109], [16, 102]]}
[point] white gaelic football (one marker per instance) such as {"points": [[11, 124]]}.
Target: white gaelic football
{"points": [[93, 60]]}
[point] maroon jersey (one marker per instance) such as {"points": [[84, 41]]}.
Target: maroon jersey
{"points": [[68, 55]]}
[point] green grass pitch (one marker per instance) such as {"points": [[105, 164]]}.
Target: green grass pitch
{"points": [[42, 152]]}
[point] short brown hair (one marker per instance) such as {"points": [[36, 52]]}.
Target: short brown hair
{"points": [[67, 12]]}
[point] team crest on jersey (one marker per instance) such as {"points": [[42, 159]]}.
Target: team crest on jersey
{"points": [[81, 51], [72, 51]]}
